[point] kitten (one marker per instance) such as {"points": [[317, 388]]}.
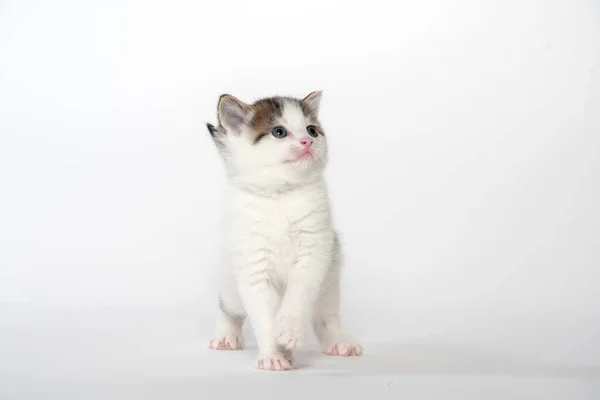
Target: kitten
{"points": [[282, 256]]}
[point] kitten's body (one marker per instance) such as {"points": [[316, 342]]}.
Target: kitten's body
{"points": [[282, 256]]}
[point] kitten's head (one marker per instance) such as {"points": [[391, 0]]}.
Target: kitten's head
{"points": [[272, 142]]}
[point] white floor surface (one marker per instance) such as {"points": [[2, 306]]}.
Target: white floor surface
{"points": [[157, 354]]}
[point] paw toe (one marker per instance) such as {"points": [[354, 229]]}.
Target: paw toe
{"points": [[276, 362], [228, 342], [344, 348]]}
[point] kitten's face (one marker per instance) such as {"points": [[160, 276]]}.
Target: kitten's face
{"points": [[272, 142]]}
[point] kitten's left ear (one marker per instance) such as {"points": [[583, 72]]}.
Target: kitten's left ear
{"points": [[310, 103]]}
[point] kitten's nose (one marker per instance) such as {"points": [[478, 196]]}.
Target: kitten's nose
{"points": [[306, 142]]}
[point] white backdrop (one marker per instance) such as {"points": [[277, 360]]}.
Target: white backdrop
{"points": [[465, 157]]}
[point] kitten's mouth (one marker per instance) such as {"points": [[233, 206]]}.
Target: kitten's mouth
{"points": [[307, 155]]}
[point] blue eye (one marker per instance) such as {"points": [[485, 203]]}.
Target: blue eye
{"points": [[279, 132], [312, 131]]}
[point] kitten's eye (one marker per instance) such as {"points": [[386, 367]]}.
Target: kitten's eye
{"points": [[279, 132], [312, 131]]}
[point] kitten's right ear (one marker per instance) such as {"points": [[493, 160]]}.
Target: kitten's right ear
{"points": [[233, 113]]}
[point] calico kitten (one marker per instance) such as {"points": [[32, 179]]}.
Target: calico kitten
{"points": [[282, 257]]}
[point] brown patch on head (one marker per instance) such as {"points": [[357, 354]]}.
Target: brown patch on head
{"points": [[264, 114]]}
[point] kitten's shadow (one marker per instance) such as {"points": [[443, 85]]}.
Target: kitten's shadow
{"points": [[411, 359]]}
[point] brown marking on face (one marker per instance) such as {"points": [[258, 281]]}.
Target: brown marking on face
{"points": [[264, 114]]}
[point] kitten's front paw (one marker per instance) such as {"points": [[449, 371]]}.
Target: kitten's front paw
{"points": [[227, 342], [275, 362], [290, 332], [342, 347]]}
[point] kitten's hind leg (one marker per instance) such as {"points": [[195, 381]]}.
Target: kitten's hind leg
{"points": [[326, 318], [229, 327]]}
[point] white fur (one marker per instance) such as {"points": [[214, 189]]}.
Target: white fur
{"points": [[282, 258]]}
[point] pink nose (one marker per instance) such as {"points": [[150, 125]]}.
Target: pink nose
{"points": [[306, 142]]}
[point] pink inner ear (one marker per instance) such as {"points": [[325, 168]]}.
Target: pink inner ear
{"points": [[313, 96], [232, 113]]}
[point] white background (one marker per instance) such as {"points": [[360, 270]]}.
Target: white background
{"points": [[465, 177]]}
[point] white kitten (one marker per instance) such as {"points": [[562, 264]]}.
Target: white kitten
{"points": [[282, 257]]}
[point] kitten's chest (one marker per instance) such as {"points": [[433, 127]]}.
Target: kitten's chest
{"points": [[276, 224], [285, 239], [281, 222]]}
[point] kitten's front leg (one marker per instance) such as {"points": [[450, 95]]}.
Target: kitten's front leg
{"points": [[261, 297], [304, 283]]}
